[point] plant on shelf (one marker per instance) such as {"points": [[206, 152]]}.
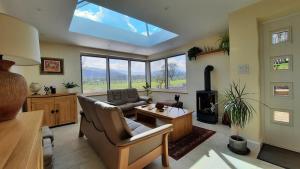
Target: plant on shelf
{"points": [[147, 88], [194, 52], [224, 43], [70, 86], [240, 112]]}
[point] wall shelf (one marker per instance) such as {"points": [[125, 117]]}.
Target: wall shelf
{"points": [[212, 52]]}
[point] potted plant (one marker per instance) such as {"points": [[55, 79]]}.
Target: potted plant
{"points": [[194, 52], [147, 88], [224, 43], [240, 112], [148, 92], [70, 86]]}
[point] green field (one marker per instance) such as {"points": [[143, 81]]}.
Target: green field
{"points": [[98, 86], [282, 66]]}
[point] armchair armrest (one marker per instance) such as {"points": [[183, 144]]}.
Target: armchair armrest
{"points": [[145, 98], [167, 128]]}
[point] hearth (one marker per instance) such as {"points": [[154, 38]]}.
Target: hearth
{"points": [[207, 111]]}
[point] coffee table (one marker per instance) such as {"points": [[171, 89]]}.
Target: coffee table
{"points": [[180, 118]]}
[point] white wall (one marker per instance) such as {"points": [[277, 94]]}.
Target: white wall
{"points": [[72, 67], [195, 73]]}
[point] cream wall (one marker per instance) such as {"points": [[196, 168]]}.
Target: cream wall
{"points": [[244, 41], [71, 56], [195, 73]]}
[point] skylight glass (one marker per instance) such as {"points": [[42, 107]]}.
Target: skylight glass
{"points": [[94, 20]]}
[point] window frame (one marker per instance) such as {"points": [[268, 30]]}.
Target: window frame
{"points": [[129, 73], [150, 74], [108, 57], [166, 70]]}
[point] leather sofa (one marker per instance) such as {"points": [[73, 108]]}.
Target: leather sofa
{"points": [[120, 142], [126, 99]]}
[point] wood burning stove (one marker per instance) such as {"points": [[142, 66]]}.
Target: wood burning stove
{"points": [[207, 111]]}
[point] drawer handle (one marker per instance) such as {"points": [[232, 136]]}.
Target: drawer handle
{"points": [[57, 111], [52, 111]]}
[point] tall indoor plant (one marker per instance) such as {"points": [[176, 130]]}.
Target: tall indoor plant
{"points": [[240, 112]]}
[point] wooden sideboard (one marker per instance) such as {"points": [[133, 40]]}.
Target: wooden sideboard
{"points": [[58, 109], [21, 142]]}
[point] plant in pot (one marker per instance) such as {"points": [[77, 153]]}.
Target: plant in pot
{"points": [[240, 112], [148, 91], [224, 43], [70, 86]]}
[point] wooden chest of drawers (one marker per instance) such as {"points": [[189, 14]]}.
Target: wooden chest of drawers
{"points": [[58, 109]]}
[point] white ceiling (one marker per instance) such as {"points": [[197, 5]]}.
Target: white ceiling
{"points": [[190, 19]]}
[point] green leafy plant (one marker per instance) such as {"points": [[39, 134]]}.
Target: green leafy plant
{"points": [[224, 43], [147, 88], [237, 105], [70, 85]]}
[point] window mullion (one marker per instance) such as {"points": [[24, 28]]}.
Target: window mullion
{"points": [[129, 74], [108, 73], [166, 74]]}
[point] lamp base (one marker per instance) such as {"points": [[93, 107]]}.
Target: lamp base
{"points": [[13, 91]]}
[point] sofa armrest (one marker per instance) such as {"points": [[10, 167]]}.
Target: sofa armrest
{"points": [[145, 98], [167, 128], [111, 103]]}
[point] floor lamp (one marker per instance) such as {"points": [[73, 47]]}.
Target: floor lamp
{"points": [[19, 45]]}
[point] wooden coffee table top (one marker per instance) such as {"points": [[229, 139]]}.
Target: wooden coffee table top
{"points": [[169, 112]]}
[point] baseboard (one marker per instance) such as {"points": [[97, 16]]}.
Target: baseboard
{"points": [[253, 143]]}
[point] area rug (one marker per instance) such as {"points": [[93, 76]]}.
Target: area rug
{"points": [[279, 156], [181, 147]]}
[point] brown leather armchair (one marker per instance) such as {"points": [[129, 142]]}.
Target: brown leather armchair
{"points": [[120, 142]]}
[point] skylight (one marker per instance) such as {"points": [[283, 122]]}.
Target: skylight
{"points": [[94, 20]]}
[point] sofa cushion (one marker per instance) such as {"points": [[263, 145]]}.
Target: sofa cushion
{"points": [[127, 106], [113, 122], [89, 110], [132, 95], [116, 97], [135, 127]]}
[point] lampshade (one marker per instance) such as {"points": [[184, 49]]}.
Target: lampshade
{"points": [[19, 41]]}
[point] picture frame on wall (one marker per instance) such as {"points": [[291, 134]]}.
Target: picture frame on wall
{"points": [[51, 66]]}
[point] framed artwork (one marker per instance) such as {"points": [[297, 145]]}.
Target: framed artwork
{"points": [[52, 66]]}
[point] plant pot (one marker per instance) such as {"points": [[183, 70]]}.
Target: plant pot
{"points": [[71, 90], [238, 145]]}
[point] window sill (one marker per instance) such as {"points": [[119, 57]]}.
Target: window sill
{"points": [[103, 93], [170, 91], [95, 94]]}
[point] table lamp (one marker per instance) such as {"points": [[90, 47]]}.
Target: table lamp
{"points": [[19, 45]]}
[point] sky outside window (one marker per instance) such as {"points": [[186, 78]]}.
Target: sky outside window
{"points": [[95, 20]]}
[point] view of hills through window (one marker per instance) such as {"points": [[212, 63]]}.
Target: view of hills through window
{"points": [[95, 74]]}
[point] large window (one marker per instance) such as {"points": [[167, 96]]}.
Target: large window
{"points": [[118, 73], [177, 72], [93, 74], [158, 78], [138, 74]]}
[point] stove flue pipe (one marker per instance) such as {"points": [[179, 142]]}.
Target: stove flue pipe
{"points": [[207, 80]]}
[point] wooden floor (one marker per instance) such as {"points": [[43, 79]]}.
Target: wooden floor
{"points": [[71, 152]]}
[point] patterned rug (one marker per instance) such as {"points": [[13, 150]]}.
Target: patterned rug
{"points": [[184, 145]]}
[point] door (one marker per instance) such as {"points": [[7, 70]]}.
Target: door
{"points": [[65, 109], [46, 104], [280, 56]]}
